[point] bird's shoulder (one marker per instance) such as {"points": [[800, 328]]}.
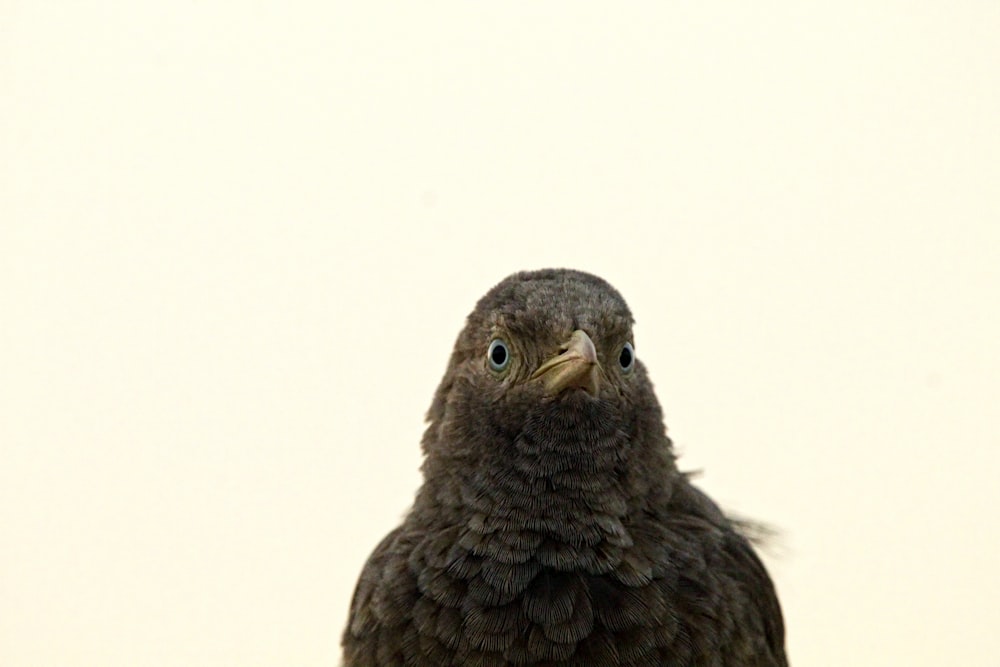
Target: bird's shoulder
{"points": [[372, 611], [721, 581]]}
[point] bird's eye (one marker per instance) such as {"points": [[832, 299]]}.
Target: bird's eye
{"points": [[627, 357], [498, 355]]}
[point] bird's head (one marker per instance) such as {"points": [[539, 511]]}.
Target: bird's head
{"points": [[553, 345]]}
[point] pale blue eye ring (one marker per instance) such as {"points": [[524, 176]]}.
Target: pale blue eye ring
{"points": [[626, 359], [498, 355]]}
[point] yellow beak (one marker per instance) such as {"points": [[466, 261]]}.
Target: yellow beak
{"points": [[574, 367]]}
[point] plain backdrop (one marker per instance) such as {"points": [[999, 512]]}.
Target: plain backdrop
{"points": [[237, 241]]}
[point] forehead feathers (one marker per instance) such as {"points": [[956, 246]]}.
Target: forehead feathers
{"points": [[555, 302]]}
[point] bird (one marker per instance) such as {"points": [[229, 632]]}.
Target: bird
{"points": [[553, 526]]}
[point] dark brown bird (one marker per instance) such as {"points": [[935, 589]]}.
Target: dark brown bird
{"points": [[553, 526]]}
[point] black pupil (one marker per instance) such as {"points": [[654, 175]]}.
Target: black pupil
{"points": [[498, 355], [625, 358]]}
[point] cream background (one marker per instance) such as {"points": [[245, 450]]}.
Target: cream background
{"points": [[238, 240]]}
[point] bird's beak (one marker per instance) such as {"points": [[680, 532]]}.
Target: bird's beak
{"points": [[575, 366]]}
